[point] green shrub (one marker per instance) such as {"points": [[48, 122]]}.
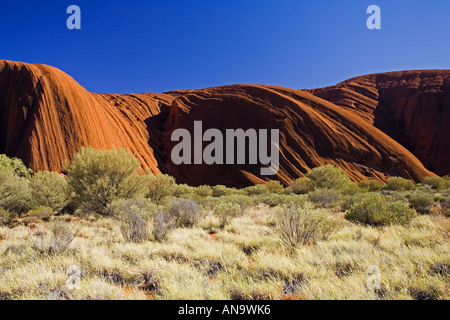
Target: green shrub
{"points": [[302, 185], [421, 201], [436, 183], [275, 199], [220, 191], [14, 192], [42, 213], [98, 177], [400, 184], [256, 190], [274, 186], [378, 210], [226, 211], [303, 225], [183, 213], [183, 190], [371, 185], [325, 197], [122, 209], [329, 177], [160, 187], [243, 201], [6, 217], [204, 191], [49, 189], [16, 165]]}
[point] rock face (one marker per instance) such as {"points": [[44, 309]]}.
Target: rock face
{"points": [[46, 117], [412, 107]]}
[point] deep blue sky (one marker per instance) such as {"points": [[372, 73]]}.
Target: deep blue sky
{"points": [[155, 46]]}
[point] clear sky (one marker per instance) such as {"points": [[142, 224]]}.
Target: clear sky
{"points": [[161, 45]]}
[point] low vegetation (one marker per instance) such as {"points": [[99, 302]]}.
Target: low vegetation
{"points": [[109, 230]]}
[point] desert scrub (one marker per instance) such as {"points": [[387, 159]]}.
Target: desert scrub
{"points": [[329, 177], [122, 208], [15, 165], [371, 185], [220, 191], [53, 240], [49, 189], [160, 187], [41, 213], [274, 186], [298, 226], [436, 183], [15, 193], [134, 228], [226, 211], [327, 198], [98, 177], [378, 210], [6, 217], [400, 184], [421, 201], [302, 185], [204, 191], [183, 213], [256, 190], [182, 190], [161, 226]]}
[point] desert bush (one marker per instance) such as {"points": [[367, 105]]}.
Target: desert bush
{"points": [[6, 217], [220, 191], [183, 213], [183, 190], [14, 192], [226, 211], [274, 186], [98, 177], [371, 185], [49, 189], [62, 237], [204, 191], [302, 185], [329, 177], [42, 213], [325, 197], [400, 184], [302, 225], [276, 199], [243, 201], [134, 228], [16, 165], [445, 208], [421, 201], [378, 210], [436, 183], [160, 187], [256, 190], [122, 209], [161, 226]]}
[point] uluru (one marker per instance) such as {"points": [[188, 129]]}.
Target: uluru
{"points": [[374, 126]]}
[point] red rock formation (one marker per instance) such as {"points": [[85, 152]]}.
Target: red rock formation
{"points": [[413, 107], [46, 117]]}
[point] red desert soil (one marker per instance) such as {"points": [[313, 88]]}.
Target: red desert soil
{"points": [[46, 117]]}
